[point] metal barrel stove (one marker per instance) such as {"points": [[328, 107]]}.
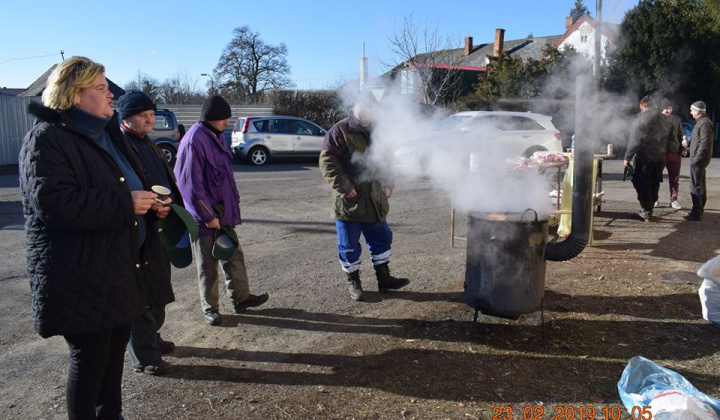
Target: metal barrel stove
{"points": [[505, 267], [507, 253]]}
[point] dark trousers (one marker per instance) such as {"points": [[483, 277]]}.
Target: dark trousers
{"points": [[673, 161], [698, 192], [144, 346], [646, 180], [95, 374]]}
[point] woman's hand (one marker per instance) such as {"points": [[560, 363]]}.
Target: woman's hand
{"points": [[142, 201]]}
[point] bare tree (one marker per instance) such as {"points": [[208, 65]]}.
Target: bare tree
{"points": [[427, 59], [144, 83], [180, 89], [248, 67]]}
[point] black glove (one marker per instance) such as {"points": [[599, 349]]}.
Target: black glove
{"points": [[628, 172]]}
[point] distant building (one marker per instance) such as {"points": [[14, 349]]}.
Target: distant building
{"points": [[581, 36], [472, 59], [4, 91]]}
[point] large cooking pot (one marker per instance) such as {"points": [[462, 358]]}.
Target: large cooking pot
{"points": [[505, 269]]}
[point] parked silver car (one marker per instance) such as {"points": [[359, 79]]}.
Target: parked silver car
{"points": [[257, 139], [506, 132]]}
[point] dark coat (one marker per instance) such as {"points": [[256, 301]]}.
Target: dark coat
{"points": [[676, 146], [82, 246], [158, 287], [345, 165], [701, 142], [651, 135]]}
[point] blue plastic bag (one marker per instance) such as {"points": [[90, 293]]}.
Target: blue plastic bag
{"points": [[642, 380]]}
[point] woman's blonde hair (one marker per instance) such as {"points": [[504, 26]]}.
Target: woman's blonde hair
{"points": [[68, 79]]}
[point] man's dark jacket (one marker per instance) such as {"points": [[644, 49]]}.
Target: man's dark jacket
{"points": [[82, 246], [345, 165], [701, 142], [651, 136], [158, 287]]}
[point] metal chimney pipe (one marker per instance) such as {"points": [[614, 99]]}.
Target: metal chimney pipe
{"points": [[579, 235]]}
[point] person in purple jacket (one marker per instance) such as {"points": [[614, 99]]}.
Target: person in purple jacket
{"points": [[206, 181]]}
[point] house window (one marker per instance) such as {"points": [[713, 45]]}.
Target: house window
{"points": [[407, 82], [583, 38]]}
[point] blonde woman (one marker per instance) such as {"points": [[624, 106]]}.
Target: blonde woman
{"points": [[85, 204]]}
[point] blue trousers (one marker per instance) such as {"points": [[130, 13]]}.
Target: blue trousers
{"points": [[378, 238]]}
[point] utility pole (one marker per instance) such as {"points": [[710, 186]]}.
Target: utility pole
{"points": [[598, 42], [62, 54]]}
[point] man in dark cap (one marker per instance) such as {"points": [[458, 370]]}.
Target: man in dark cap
{"points": [[673, 160], [361, 197], [206, 180], [650, 135], [701, 150], [146, 346]]}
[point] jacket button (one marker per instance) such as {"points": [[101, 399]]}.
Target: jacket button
{"points": [[146, 263], [122, 179], [137, 265], [136, 223]]}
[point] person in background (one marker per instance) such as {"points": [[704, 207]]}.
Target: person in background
{"points": [[206, 180], [84, 204], [650, 134], [675, 150], [361, 197], [146, 346], [701, 150]]}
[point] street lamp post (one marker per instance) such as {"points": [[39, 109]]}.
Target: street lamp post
{"points": [[212, 83]]}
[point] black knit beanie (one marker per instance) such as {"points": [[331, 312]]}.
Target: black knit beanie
{"points": [[134, 102], [215, 108]]}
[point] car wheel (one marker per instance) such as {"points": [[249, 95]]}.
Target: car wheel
{"points": [[529, 152], [258, 156], [169, 152]]}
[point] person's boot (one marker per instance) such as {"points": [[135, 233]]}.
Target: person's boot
{"points": [[695, 214], [251, 302], [386, 281], [355, 288]]}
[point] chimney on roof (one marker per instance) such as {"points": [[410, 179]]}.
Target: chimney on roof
{"points": [[468, 45], [568, 23], [499, 40], [363, 69]]}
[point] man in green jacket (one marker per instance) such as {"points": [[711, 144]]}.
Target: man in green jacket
{"points": [[701, 150], [361, 195]]}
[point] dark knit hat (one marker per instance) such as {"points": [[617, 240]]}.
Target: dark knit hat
{"points": [[698, 106], [134, 102], [215, 108], [647, 99], [665, 103]]}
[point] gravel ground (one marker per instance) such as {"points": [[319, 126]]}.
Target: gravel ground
{"points": [[310, 352]]}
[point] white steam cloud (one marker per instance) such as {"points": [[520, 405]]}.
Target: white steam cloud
{"points": [[475, 167]]}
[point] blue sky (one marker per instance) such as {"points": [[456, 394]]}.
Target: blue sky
{"points": [[324, 38]]}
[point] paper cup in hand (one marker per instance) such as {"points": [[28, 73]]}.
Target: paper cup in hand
{"points": [[162, 192]]}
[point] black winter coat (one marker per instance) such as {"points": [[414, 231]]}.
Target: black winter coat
{"points": [[158, 286], [82, 246], [651, 135]]}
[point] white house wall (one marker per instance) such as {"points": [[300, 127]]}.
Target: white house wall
{"points": [[583, 41]]}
